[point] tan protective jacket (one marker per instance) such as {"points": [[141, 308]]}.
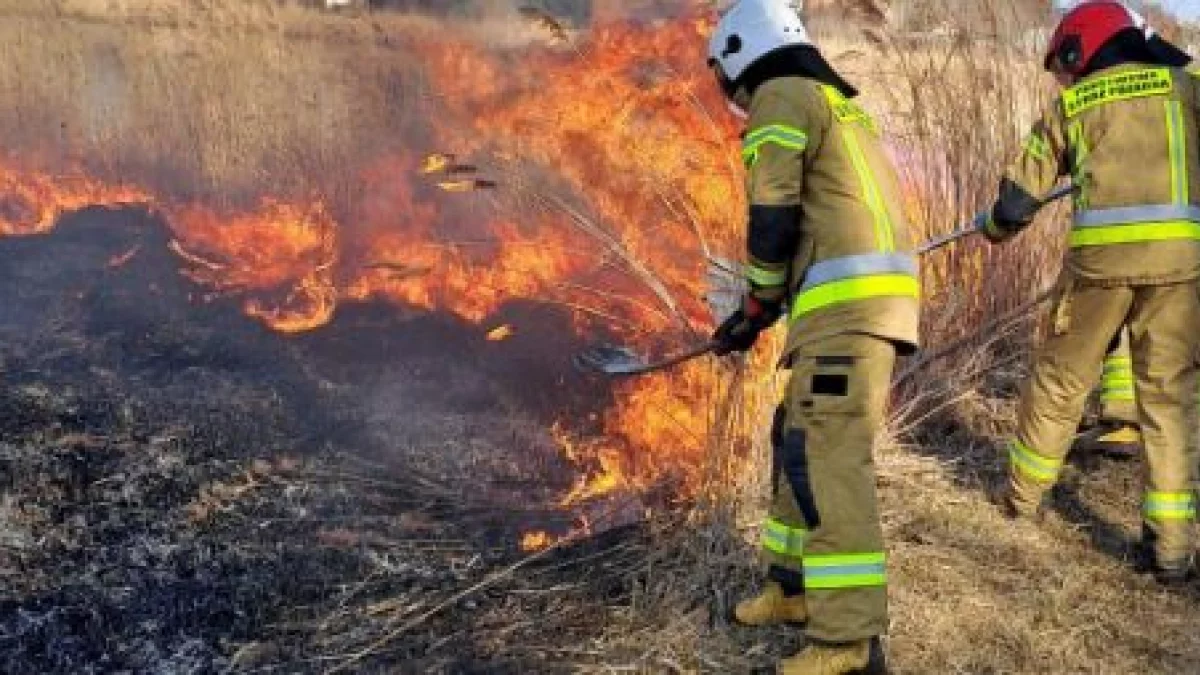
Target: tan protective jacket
{"points": [[1128, 137], [826, 225]]}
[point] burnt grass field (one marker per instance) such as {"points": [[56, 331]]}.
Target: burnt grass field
{"points": [[189, 492]]}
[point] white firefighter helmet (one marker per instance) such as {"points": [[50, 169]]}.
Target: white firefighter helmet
{"points": [[751, 29]]}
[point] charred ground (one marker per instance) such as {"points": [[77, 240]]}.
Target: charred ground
{"points": [[189, 491]]}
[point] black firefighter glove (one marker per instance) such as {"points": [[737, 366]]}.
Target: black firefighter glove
{"points": [[1013, 210], [741, 331], [995, 231]]}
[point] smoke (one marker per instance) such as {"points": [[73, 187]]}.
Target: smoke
{"points": [[571, 13]]}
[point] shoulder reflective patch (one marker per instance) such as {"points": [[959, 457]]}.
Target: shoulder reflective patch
{"points": [[1117, 87], [780, 134], [846, 111], [1037, 146]]}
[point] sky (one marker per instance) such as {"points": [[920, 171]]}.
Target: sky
{"points": [[1188, 9]]}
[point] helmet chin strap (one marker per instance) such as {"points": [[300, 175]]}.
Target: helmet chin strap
{"points": [[737, 110]]}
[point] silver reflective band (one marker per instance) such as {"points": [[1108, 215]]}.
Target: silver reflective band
{"points": [[859, 266], [1130, 215]]}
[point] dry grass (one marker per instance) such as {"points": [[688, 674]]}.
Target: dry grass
{"points": [[235, 100], [191, 116]]}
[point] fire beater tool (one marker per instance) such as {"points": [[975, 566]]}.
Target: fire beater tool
{"points": [[616, 361], [980, 220], [622, 361]]}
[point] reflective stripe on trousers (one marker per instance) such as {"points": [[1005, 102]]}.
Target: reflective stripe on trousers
{"points": [[1117, 383], [779, 538], [859, 570], [1030, 463], [1160, 506]]}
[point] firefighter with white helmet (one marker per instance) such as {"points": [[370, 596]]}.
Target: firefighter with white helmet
{"points": [[828, 246], [1126, 129]]}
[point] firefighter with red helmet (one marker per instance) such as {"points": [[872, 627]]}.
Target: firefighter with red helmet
{"points": [[1127, 130], [1117, 433]]}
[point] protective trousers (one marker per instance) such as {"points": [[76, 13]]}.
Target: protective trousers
{"points": [[1162, 321], [1117, 402], [824, 524], [1117, 399]]}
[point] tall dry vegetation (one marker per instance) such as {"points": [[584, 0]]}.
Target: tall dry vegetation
{"points": [[245, 102]]}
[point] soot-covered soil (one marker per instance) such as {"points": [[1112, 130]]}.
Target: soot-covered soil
{"points": [[186, 491]]}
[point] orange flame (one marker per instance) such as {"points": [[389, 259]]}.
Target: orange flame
{"points": [[32, 201], [283, 255], [623, 181]]}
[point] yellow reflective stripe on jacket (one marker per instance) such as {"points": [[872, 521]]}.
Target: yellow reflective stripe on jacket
{"points": [[1134, 233], [1038, 146], [1117, 87], [779, 538], [849, 114], [1024, 459], [859, 570], [847, 111], [1079, 156], [1169, 506], [884, 237], [855, 288], [780, 134], [761, 276], [1177, 141]]}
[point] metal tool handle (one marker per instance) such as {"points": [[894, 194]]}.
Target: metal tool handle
{"points": [[947, 239], [978, 222], [671, 362]]}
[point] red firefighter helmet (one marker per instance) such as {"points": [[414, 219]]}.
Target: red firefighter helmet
{"points": [[1083, 31]]}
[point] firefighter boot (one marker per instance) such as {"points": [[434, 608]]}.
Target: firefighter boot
{"points": [[1167, 573], [855, 658], [771, 607], [1119, 440], [1015, 503]]}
